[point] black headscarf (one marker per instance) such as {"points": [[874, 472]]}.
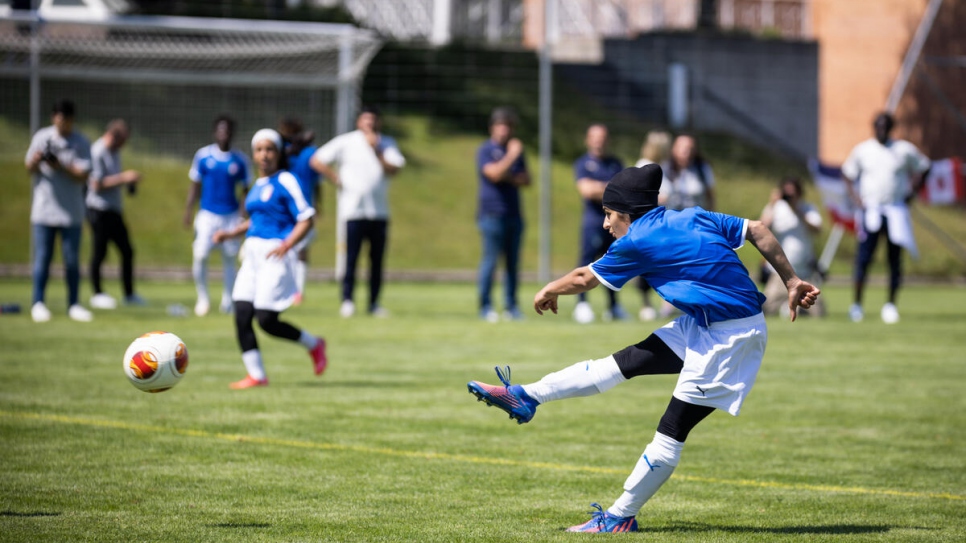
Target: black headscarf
{"points": [[634, 190]]}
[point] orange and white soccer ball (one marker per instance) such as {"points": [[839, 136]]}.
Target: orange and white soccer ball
{"points": [[156, 361]]}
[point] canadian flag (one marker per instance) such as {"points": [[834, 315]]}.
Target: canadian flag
{"points": [[835, 197], [945, 183]]}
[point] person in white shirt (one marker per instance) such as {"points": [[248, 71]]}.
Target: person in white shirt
{"points": [[794, 223], [888, 172], [367, 159]]}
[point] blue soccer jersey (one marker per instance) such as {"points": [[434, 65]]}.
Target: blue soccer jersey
{"points": [[274, 205], [689, 258], [600, 169], [502, 199], [220, 173], [308, 178]]}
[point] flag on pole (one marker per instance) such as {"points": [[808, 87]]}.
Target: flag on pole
{"points": [[835, 197], [945, 183]]}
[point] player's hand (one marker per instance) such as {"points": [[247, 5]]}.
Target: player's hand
{"points": [[544, 301], [373, 139], [514, 147], [279, 251], [801, 294]]}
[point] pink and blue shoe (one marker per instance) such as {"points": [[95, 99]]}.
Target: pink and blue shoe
{"points": [[603, 522], [510, 398]]}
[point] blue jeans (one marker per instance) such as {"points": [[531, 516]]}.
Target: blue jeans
{"points": [[501, 236], [44, 237]]}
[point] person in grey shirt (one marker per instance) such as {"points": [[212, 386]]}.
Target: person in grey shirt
{"points": [[59, 160], [104, 208]]}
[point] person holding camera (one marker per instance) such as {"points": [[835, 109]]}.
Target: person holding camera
{"points": [[795, 223], [59, 161], [104, 199]]}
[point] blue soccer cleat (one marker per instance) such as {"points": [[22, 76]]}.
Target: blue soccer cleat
{"points": [[510, 398], [603, 522]]}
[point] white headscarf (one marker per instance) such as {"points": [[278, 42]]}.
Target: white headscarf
{"points": [[267, 134]]}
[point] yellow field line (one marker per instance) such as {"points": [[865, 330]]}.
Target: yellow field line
{"points": [[464, 458]]}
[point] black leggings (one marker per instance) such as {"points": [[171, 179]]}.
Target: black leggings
{"points": [[653, 357], [245, 313]]}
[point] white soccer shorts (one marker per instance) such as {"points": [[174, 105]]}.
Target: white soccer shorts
{"points": [[269, 283], [306, 241], [721, 362], [206, 224]]}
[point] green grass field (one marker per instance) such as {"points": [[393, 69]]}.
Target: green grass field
{"points": [[854, 432]]}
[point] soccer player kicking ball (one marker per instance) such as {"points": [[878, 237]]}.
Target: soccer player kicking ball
{"points": [[279, 217], [716, 347]]}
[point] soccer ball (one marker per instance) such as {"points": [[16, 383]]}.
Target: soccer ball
{"points": [[156, 361]]}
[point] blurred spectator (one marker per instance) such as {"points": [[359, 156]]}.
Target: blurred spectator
{"points": [[888, 172], [217, 173], [655, 150], [104, 212], [299, 150], [367, 159], [592, 171], [689, 181], [59, 160], [502, 170], [794, 223]]}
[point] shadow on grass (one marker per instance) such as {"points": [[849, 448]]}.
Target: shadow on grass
{"points": [[29, 514], [241, 525], [823, 529]]}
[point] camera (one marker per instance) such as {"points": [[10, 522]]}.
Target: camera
{"points": [[49, 155]]}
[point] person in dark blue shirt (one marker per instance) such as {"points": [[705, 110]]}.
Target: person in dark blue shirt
{"points": [[715, 347], [502, 170], [592, 171]]}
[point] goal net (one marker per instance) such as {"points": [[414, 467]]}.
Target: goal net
{"points": [[170, 76]]}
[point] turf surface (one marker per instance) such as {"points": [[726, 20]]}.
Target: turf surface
{"points": [[854, 432]]}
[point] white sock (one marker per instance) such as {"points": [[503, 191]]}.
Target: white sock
{"points": [[308, 340], [229, 270], [199, 270], [300, 268], [653, 469], [582, 379], [253, 364]]}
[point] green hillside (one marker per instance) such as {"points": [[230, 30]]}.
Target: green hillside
{"points": [[433, 203]]}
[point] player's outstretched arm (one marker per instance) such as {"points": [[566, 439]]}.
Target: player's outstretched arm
{"points": [[800, 293], [575, 282]]}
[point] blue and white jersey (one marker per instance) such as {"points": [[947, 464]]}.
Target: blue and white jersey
{"points": [[274, 205], [300, 168], [220, 173], [689, 258], [600, 169]]}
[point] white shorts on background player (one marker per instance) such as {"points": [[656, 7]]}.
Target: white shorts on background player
{"points": [[268, 283], [206, 224], [721, 361]]}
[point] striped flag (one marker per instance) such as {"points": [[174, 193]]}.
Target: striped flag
{"points": [[835, 197]]}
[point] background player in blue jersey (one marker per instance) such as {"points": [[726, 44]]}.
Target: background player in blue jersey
{"points": [[218, 173], [592, 171], [715, 347], [298, 151], [502, 170], [279, 217]]}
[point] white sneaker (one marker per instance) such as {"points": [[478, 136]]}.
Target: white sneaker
{"points": [[889, 314], [347, 309], [226, 306], [584, 313], [79, 313], [134, 300], [490, 316], [102, 300], [855, 313], [202, 307], [39, 312], [379, 312], [647, 313]]}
